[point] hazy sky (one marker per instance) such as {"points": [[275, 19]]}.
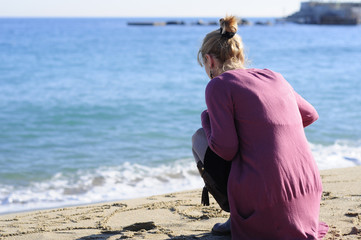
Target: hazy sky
{"points": [[147, 8]]}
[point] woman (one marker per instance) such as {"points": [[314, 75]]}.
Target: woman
{"points": [[255, 119]]}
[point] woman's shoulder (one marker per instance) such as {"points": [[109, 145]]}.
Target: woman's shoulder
{"points": [[246, 71], [250, 73]]}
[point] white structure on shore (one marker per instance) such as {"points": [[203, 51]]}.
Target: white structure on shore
{"points": [[322, 12]]}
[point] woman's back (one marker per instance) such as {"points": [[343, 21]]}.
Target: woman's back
{"points": [[271, 140], [273, 163]]}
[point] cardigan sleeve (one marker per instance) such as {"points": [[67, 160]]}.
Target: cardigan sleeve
{"points": [[307, 111], [218, 120]]}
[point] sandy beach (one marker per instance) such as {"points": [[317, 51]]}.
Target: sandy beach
{"points": [[176, 216]]}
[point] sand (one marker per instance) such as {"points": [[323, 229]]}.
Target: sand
{"points": [[176, 216]]}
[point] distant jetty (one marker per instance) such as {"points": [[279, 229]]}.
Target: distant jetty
{"points": [[330, 13], [146, 23], [200, 22]]}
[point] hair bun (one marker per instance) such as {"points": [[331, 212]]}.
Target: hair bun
{"points": [[229, 26]]}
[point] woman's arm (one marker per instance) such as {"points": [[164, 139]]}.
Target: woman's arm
{"points": [[218, 120], [307, 111]]}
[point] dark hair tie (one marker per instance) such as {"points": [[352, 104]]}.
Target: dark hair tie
{"points": [[227, 35]]}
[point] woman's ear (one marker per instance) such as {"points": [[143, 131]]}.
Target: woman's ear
{"points": [[209, 60]]}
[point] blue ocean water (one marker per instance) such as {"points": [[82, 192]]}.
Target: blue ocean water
{"points": [[95, 110]]}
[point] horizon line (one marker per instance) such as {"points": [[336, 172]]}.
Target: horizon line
{"points": [[137, 17]]}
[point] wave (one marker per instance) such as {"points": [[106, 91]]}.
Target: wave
{"points": [[126, 181], [132, 180], [339, 155]]}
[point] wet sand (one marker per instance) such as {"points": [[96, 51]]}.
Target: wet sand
{"points": [[176, 216]]}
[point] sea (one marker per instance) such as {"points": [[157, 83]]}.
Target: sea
{"points": [[95, 110]]}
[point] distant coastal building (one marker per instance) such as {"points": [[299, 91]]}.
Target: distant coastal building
{"points": [[320, 12]]}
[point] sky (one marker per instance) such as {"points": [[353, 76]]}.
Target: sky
{"points": [[147, 8]]}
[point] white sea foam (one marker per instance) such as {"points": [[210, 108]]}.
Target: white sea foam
{"points": [[104, 184], [131, 180], [339, 155]]}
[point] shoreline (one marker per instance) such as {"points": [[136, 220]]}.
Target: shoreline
{"points": [[176, 215]]}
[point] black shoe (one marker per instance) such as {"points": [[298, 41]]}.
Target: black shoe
{"points": [[222, 228]]}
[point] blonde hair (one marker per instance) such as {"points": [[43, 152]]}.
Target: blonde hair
{"points": [[224, 44]]}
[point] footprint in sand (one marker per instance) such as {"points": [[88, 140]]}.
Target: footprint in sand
{"points": [[328, 196], [140, 226], [355, 231]]}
